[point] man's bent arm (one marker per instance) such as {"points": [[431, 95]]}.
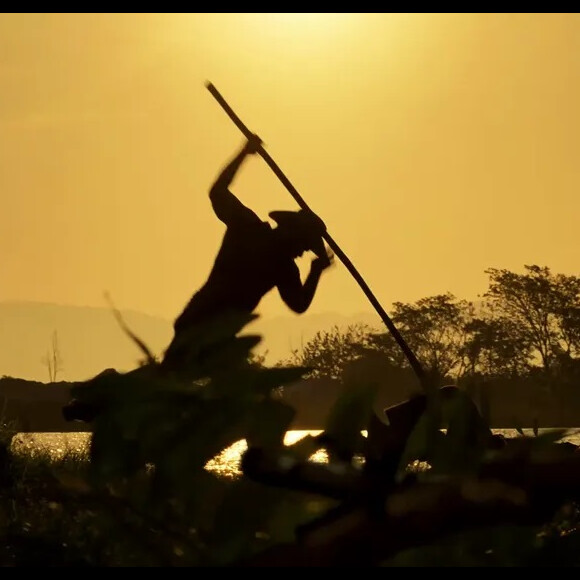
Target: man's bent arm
{"points": [[297, 296]]}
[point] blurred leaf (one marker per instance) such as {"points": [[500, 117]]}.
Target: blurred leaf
{"points": [[112, 458], [425, 437], [196, 339], [269, 423], [465, 442], [193, 443], [230, 353], [549, 436], [246, 510], [268, 379], [347, 419], [522, 450], [292, 511], [305, 447]]}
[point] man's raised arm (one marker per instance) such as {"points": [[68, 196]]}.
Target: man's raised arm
{"points": [[226, 205]]}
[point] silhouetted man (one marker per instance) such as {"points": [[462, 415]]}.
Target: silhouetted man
{"points": [[254, 258]]}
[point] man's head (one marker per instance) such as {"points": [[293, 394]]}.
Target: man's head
{"points": [[300, 231]]}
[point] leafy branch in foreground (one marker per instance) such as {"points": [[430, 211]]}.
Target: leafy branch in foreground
{"points": [[155, 430]]}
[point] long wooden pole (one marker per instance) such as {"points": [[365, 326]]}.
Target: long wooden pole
{"points": [[413, 361]]}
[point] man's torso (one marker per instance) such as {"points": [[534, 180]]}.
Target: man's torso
{"points": [[247, 266]]}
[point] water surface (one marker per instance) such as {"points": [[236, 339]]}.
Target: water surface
{"points": [[227, 463]]}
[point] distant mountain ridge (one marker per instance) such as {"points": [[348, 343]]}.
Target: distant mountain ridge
{"points": [[90, 338]]}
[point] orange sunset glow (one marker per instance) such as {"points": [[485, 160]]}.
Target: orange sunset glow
{"points": [[433, 146]]}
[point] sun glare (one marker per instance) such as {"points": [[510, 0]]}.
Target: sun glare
{"points": [[295, 25], [302, 19], [280, 32]]}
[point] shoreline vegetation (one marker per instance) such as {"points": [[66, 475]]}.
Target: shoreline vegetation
{"points": [[451, 492], [516, 352]]}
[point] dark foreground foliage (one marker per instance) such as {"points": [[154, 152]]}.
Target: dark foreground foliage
{"points": [[143, 496]]}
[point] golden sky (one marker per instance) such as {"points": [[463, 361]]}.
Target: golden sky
{"points": [[433, 145]]}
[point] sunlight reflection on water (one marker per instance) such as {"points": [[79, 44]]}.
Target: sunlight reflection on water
{"points": [[59, 444], [226, 463]]}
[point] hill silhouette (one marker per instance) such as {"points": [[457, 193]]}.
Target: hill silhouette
{"points": [[91, 340]]}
